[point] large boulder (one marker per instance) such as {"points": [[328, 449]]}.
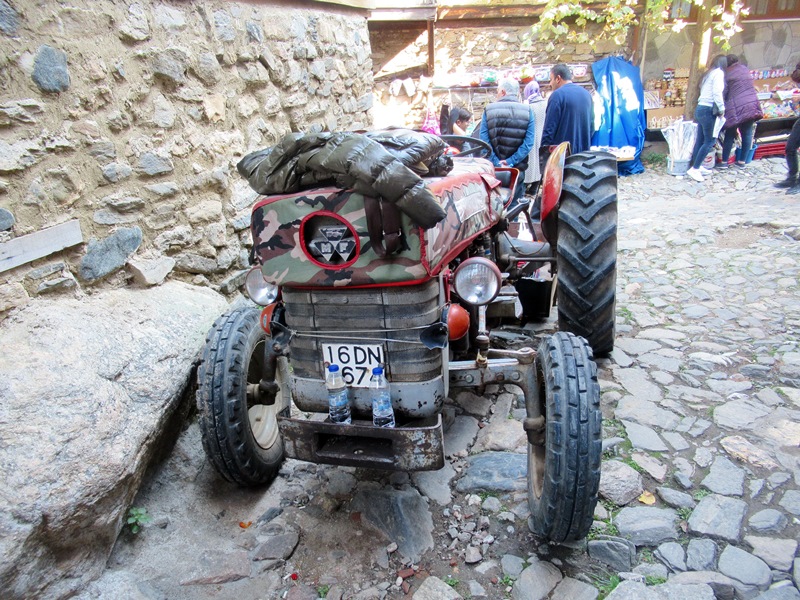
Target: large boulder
{"points": [[88, 387]]}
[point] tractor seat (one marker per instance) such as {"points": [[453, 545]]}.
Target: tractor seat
{"points": [[504, 177]]}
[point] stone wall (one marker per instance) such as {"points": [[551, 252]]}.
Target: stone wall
{"points": [[764, 45], [402, 53], [129, 118]]}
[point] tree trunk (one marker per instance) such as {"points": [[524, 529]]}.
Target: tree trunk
{"points": [[701, 45]]}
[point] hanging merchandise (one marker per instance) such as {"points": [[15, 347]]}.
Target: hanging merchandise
{"points": [[489, 77], [526, 74], [431, 122]]}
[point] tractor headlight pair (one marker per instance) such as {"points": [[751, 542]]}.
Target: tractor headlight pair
{"points": [[258, 289], [477, 281]]}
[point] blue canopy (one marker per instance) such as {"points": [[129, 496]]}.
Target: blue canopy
{"points": [[623, 120]]}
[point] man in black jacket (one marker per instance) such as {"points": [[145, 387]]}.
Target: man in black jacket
{"points": [[507, 126]]}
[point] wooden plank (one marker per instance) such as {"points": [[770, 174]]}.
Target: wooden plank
{"points": [[29, 247], [431, 61]]}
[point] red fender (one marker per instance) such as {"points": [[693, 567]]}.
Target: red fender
{"points": [[553, 178]]}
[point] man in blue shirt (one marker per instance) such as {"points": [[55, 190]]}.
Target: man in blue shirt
{"points": [[569, 112], [507, 125]]}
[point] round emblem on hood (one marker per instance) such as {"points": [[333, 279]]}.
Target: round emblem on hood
{"points": [[329, 240]]}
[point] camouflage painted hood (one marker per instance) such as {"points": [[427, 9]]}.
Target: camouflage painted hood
{"points": [[383, 164]]}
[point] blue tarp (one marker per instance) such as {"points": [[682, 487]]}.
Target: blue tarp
{"points": [[622, 121]]}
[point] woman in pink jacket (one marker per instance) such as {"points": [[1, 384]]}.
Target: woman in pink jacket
{"points": [[742, 109]]}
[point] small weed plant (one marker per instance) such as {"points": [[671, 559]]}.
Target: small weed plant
{"points": [[606, 586], [323, 590], [451, 581], [137, 518], [655, 159]]}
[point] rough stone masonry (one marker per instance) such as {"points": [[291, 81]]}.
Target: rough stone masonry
{"points": [[127, 119]]}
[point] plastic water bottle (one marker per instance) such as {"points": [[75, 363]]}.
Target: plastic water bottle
{"points": [[338, 402], [382, 411]]}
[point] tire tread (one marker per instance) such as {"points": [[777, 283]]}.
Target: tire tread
{"points": [[587, 248], [222, 403], [573, 443]]}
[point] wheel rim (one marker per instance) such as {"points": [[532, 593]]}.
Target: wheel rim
{"points": [[264, 424], [263, 418], [537, 452]]}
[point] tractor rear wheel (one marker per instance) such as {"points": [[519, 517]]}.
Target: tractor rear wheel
{"points": [[240, 433], [587, 249], [564, 439]]}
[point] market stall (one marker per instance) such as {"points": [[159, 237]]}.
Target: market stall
{"points": [[476, 88], [665, 103]]}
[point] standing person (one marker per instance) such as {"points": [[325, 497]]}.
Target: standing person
{"points": [[710, 103], [568, 117], [507, 125], [792, 180], [533, 174], [742, 109]]}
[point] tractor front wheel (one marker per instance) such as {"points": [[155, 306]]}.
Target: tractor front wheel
{"points": [[238, 425], [564, 435]]}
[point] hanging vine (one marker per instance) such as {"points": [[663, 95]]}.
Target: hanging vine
{"points": [[562, 21]]}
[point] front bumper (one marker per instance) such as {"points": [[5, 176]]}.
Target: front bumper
{"points": [[417, 446]]}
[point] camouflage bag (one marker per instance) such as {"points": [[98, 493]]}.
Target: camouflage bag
{"points": [[321, 238]]}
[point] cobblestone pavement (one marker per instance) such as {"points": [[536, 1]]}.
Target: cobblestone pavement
{"points": [[701, 474]]}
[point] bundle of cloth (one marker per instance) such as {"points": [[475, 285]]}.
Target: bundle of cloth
{"points": [[388, 164]]}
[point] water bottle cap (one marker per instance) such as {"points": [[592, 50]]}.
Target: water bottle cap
{"points": [[377, 371], [333, 368]]}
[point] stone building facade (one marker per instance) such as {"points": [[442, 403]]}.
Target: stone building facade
{"points": [[401, 53], [761, 44], [121, 124]]}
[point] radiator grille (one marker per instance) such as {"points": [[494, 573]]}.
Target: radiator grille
{"points": [[394, 311]]}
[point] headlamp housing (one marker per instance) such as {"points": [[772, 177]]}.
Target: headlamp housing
{"points": [[477, 281], [258, 289]]}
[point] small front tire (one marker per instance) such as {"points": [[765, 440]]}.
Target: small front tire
{"points": [[564, 454], [240, 435]]}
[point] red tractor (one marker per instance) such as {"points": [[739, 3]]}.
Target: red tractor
{"points": [[340, 277]]}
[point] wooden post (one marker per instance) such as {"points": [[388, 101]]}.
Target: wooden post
{"points": [[701, 43], [431, 61]]}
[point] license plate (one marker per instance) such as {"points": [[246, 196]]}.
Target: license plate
{"points": [[355, 361]]}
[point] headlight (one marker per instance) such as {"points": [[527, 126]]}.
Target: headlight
{"points": [[259, 290], [477, 281]]}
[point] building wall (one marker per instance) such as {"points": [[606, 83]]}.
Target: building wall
{"points": [[130, 117], [764, 45], [401, 53]]}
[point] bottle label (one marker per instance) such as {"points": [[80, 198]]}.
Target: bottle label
{"points": [[338, 398]]}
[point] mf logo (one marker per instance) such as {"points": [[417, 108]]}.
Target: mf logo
{"points": [[335, 244]]}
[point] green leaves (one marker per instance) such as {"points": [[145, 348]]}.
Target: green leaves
{"points": [[137, 517], [564, 21]]}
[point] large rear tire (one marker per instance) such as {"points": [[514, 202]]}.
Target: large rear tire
{"points": [[587, 249], [240, 435], [564, 453]]}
